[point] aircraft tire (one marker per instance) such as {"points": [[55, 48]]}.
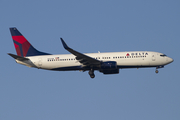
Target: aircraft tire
{"points": [[92, 76]]}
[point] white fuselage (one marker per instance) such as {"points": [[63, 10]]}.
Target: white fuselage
{"points": [[134, 59]]}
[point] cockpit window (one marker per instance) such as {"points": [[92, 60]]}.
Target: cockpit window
{"points": [[163, 55]]}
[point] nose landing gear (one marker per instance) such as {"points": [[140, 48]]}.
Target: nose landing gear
{"points": [[91, 73], [158, 68], [156, 71]]}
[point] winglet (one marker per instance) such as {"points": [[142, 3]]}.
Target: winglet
{"points": [[64, 44]]}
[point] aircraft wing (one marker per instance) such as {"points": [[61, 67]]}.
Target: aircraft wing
{"points": [[82, 58]]}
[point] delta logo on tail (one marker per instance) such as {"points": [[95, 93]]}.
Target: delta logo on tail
{"points": [[21, 44]]}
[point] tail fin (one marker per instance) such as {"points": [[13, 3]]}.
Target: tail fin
{"points": [[22, 46]]}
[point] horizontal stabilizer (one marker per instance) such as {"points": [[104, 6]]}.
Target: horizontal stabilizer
{"points": [[18, 57]]}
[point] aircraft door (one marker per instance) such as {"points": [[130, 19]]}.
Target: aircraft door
{"points": [[153, 57], [40, 62]]}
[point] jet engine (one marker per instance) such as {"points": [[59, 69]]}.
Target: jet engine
{"points": [[109, 67]]}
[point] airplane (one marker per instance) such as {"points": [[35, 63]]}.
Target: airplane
{"points": [[106, 63]]}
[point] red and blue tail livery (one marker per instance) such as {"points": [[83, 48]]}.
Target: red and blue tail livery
{"points": [[22, 46], [106, 63]]}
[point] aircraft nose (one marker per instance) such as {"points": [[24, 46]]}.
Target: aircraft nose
{"points": [[170, 60]]}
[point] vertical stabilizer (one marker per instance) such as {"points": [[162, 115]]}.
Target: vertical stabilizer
{"points": [[22, 46]]}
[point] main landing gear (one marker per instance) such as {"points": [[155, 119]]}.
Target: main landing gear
{"points": [[91, 73]]}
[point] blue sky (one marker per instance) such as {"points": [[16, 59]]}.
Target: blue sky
{"points": [[88, 27]]}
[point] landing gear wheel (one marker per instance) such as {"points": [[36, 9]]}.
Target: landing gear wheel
{"points": [[91, 73], [92, 76], [157, 71]]}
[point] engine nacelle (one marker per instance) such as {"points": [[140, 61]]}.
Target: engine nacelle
{"points": [[109, 67]]}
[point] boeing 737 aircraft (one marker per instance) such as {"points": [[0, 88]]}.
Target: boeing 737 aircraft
{"points": [[107, 63]]}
